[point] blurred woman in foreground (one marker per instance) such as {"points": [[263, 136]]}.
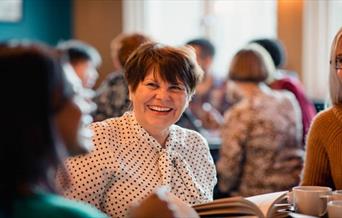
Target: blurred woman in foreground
{"points": [[45, 121]]}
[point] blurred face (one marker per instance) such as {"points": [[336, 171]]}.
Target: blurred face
{"points": [[339, 58], [158, 104], [204, 62], [72, 124], [87, 72]]}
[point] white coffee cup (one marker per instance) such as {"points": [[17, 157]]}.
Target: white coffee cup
{"points": [[311, 200], [335, 209], [336, 195]]}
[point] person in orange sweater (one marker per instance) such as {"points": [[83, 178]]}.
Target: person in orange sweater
{"points": [[323, 164]]}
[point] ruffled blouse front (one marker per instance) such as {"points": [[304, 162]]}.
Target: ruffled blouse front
{"points": [[127, 164]]}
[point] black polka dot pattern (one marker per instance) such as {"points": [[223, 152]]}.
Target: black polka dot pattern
{"points": [[127, 164]]}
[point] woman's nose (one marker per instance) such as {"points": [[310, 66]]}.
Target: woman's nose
{"points": [[162, 93]]}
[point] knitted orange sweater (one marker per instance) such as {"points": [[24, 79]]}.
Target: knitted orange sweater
{"points": [[323, 162]]}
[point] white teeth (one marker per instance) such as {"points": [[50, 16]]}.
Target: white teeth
{"points": [[161, 109]]}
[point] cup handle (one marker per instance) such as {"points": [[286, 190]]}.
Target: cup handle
{"points": [[290, 197], [324, 198]]}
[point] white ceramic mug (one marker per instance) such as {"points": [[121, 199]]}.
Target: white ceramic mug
{"points": [[335, 209], [336, 195], [311, 200]]}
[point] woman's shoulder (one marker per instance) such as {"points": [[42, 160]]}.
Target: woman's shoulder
{"points": [[115, 122], [326, 116], [113, 133], [55, 206], [284, 99], [327, 121], [282, 94], [325, 126], [188, 139], [187, 134]]}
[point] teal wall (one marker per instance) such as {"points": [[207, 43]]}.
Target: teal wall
{"points": [[47, 21]]}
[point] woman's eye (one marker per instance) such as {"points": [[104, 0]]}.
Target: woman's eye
{"points": [[152, 85], [177, 88]]}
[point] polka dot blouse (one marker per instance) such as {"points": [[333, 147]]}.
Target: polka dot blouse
{"points": [[127, 164]]}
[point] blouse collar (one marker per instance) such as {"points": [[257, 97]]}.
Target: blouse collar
{"points": [[143, 134]]}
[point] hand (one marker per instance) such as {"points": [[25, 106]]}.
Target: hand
{"points": [[164, 204], [211, 118]]}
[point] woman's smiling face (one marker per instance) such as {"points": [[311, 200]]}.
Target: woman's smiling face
{"points": [[157, 104]]}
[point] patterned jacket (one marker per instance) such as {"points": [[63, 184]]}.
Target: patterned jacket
{"points": [[261, 150], [112, 97]]}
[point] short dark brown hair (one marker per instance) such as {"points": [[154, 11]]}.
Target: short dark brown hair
{"points": [[251, 64], [172, 63]]}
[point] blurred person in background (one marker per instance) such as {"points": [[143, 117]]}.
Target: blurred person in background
{"points": [[112, 96], [261, 150], [282, 79], [142, 150], [323, 166], [84, 58], [209, 102]]}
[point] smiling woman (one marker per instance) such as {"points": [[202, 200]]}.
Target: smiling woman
{"points": [[161, 82], [142, 150]]}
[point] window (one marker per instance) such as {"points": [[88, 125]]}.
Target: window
{"points": [[228, 24], [232, 24], [10, 11], [322, 20]]}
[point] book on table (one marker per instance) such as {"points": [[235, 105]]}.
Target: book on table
{"points": [[263, 206]]}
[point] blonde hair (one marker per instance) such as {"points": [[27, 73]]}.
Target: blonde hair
{"points": [[335, 85], [251, 64]]}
